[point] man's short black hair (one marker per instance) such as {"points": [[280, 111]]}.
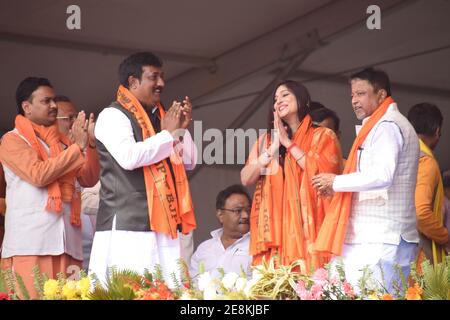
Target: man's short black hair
{"points": [[61, 98], [318, 115], [132, 66], [314, 105], [426, 118], [26, 88], [227, 192], [377, 78]]}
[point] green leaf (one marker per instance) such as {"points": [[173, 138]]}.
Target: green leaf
{"points": [[22, 287]]}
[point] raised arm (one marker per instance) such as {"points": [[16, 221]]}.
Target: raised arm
{"points": [[23, 160]]}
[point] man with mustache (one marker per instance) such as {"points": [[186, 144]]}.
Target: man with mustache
{"points": [[44, 170], [372, 217], [145, 202], [229, 246]]}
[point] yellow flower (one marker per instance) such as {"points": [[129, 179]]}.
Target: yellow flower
{"points": [[373, 296], [51, 289], [83, 287], [69, 290]]}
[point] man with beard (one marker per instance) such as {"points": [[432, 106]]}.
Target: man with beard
{"points": [[145, 200], [229, 247]]}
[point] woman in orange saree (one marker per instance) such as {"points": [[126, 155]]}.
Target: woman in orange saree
{"points": [[286, 211]]}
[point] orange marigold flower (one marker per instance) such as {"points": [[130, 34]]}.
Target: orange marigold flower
{"points": [[386, 297], [414, 293]]}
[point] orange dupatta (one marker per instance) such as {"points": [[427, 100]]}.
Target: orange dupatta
{"points": [[62, 189], [173, 206], [332, 234], [286, 211]]}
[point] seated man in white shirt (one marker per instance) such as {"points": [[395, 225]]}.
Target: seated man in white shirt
{"points": [[229, 247]]}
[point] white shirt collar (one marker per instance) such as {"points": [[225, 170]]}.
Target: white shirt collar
{"points": [[217, 234], [392, 107]]}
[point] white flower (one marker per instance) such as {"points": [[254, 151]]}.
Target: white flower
{"points": [[229, 280], [205, 281], [240, 284], [186, 296], [209, 294], [248, 287], [256, 274]]}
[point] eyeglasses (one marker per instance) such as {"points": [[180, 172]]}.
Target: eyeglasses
{"points": [[70, 118], [238, 211]]}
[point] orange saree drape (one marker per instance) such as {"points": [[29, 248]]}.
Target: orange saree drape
{"points": [[286, 212]]}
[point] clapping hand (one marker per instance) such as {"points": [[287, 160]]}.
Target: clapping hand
{"points": [[186, 113], [91, 126], [282, 132], [172, 120], [79, 131]]}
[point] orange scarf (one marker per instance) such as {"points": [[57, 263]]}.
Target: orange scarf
{"points": [[62, 189], [332, 234], [286, 211], [173, 206]]}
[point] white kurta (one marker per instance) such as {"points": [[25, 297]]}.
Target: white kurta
{"points": [[30, 228], [378, 237], [132, 249]]}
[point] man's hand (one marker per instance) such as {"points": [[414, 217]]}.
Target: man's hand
{"points": [[79, 130], [171, 121], [323, 183], [186, 113], [91, 126]]}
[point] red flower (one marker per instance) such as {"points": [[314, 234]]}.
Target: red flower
{"points": [[4, 296], [157, 290]]}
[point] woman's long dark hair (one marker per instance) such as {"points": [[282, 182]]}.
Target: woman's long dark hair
{"points": [[303, 103]]}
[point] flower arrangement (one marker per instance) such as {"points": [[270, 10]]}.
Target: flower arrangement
{"points": [[267, 281], [12, 286], [231, 286], [276, 283], [130, 285], [323, 286], [432, 283], [64, 289]]}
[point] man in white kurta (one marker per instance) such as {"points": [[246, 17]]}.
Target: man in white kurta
{"points": [[381, 231], [36, 233], [123, 238]]}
